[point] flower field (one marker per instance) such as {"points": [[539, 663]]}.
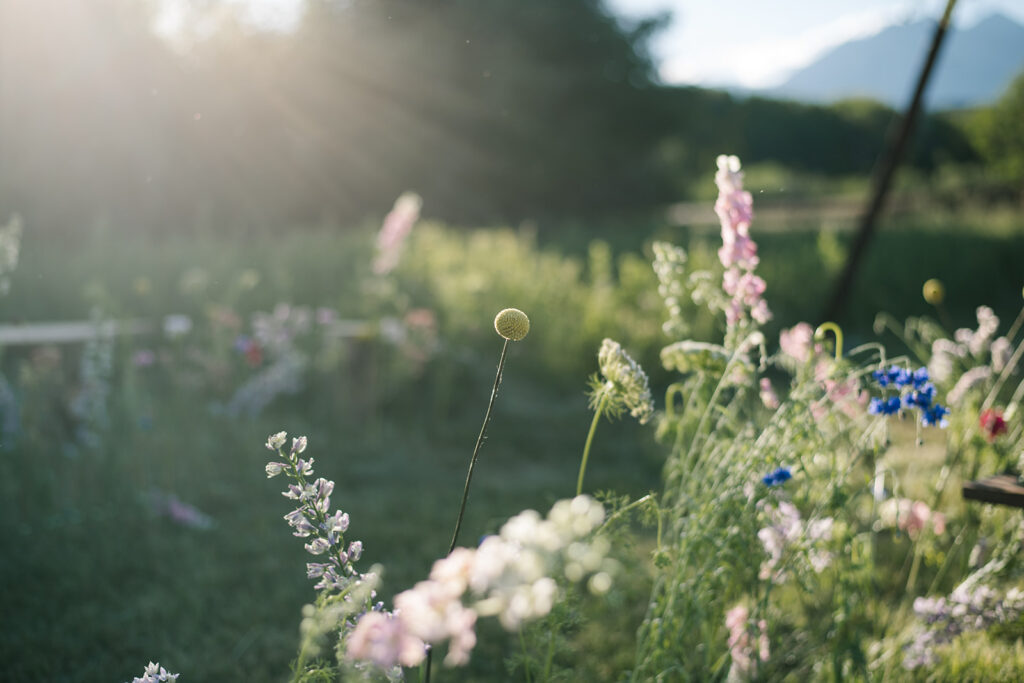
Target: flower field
{"points": [[725, 486]]}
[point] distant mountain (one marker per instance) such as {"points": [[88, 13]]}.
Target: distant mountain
{"points": [[975, 66]]}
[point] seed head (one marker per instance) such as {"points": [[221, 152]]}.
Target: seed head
{"points": [[512, 324], [933, 292]]}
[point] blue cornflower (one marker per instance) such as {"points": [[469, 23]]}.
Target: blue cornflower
{"points": [[935, 415], [920, 398], [779, 476], [894, 375], [884, 406]]}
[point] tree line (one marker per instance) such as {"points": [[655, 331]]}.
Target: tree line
{"points": [[493, 110]]}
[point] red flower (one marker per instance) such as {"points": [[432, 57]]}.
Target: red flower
{"points": [[992, 423], [253, 354]]}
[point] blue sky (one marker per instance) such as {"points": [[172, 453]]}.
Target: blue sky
{"points": [[757, 43]]}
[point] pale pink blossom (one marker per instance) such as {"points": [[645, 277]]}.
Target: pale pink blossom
{"points": [[768, 396], [738, 253], [797, 342], [384, 640], [396, 227], [741, 647], [433, 612]]}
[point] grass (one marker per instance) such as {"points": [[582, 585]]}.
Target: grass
{"points": [[96, 584]]}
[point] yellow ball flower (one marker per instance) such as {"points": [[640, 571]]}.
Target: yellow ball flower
{"points": [[512, 324], [933, 292]]}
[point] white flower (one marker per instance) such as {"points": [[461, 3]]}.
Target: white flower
{"points": [[276, 441], [177, 325]]}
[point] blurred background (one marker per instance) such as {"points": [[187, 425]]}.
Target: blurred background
{"points": [[225, 218]]}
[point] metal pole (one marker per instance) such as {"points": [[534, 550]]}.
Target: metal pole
{"points": [[897, 141]]}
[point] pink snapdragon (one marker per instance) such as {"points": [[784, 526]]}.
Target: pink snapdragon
{"points": [[738, 253], [396, 227]]}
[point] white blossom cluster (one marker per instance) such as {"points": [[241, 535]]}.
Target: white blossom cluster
{"points": [[626, 384], [511, 576]]}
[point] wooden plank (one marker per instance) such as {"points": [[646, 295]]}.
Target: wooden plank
{"points": [[78, 331], [69, 331], [1001, 489]]}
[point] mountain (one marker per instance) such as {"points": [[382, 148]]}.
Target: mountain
{"points": [[975, 66]]}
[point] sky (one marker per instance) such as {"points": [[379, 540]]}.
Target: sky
{"points": [[742, 43], [758, 43]]}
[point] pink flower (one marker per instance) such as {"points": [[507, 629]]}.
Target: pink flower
{"points": [[738, 253], [768, 396], [433, 612], [383, 639], [741, 647], [797, 342], [396, 227]]}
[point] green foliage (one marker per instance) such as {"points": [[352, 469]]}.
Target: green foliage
{"points": [[999, 132]]}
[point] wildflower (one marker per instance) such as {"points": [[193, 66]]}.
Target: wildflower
{"points": [[384, 640], [967, 608], [911, 516], [626, 384], [154, 673], [797, 342], [313, 519], [738, 253], [276, 441], [396, 228], [670, 266], [741, 649], [177, 325], [935, 416], [768, 396], [776, 477], [788, 530], [933, 291], [507, 576], [888, 406], [992, 423], [512, 324]]}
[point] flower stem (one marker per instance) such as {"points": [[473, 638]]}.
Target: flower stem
{"points": [[476, 449], [590, 438]]}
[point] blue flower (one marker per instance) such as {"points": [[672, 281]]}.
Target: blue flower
{"points": [[920, 377], [887, 406], [777, 477], [894, 375], [920, 398], [935, 416]]}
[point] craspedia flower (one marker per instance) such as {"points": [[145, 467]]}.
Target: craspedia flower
{"points": [[512, 324], [933, 291], [627, 380]]}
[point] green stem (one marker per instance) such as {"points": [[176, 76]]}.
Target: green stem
{"points": [[590, 438], [526, 655], [819, 334], [476, 450], [469, 478]]}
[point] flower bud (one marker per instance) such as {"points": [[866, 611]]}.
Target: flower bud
{"points": [[512, 324], [933, 292]]}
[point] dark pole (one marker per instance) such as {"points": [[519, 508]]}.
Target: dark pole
{"points": [[896, 145]]}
